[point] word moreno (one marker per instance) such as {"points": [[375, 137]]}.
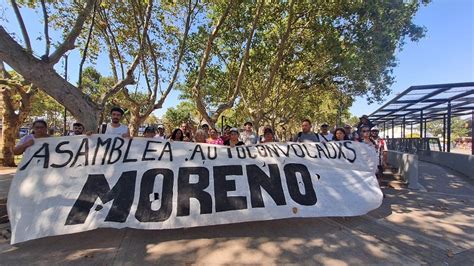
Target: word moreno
{"points": [[122, 193], [109, 151]]}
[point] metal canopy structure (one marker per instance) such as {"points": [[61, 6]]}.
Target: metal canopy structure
{"points": [[421, 104]]}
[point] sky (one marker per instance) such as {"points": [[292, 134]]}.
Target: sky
{"points": [[444, 55]]}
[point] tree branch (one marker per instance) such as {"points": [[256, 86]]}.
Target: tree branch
{"points": [[114, 42], [281, 48], [196, 90], [84, 54], [129, 76], [45, 77], [68, 43], [182, 49], [46, 29], [243, 64], [24, 32], [3, 72]]}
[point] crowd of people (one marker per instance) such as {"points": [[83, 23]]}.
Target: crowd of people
{"points": [[364, 132]]}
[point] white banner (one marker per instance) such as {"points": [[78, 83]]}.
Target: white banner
{"points": [[73, 184]]}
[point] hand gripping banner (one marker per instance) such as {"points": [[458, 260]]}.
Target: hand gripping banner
{"points": [[73, 184]]}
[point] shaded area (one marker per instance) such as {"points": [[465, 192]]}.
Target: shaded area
{"points": [[411, 227]]}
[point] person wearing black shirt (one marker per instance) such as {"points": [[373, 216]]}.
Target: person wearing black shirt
{"points": [[234, 138]]}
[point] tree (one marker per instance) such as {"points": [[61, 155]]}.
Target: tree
{"points": [[184, 112], [40, 71], [459, 128], [227, 63], [297, 49], [165, 45], [17, 95]]}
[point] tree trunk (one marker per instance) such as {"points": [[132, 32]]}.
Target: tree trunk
{"points": [[45, 77], [135, 121], [12, 122], [9, 132]]}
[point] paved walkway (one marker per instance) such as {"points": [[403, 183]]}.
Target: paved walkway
{"points": [[411, 227]]}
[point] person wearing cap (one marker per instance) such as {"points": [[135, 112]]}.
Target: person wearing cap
{"points": [[268, 135], [115, 128], [248, 136], [161, 133], [205, 127], [363, 121], [381, 147], [234, 138], [324, 134], [306, 135], [350, 135], [149, 132]]}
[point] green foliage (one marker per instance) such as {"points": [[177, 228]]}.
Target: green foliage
{"points": [[306, 60], [459, 128], [184, 112]]}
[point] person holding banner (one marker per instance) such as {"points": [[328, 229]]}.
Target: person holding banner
{"points": [[365, 137], [340, 134], [214, 137], [77, 129], [115, 127], [200, 136], [161, 133], [149, 132], [350, 135], [226, 134], [248, 136], [306, 134], [40, 130], [381, 147], [268, 136], [325, 135], [177, 135], [234, 138]]}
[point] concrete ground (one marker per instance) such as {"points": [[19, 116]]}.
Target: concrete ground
{"points": [[435, 226]]}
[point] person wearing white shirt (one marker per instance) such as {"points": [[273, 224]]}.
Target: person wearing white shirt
{"points": [[40, 130], [248, 136], [115, 128], [161, 133]]}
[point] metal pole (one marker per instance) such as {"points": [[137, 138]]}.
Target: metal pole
{"points": [[384, 133], [404, 126], [393, 127], [421, 124], [65, 110], [411, 130], [426, 120], [472, 132], [222, 125], [444, 132], [448, 127]]}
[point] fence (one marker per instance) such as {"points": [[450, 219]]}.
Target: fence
{"points": [[413, 145]]}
